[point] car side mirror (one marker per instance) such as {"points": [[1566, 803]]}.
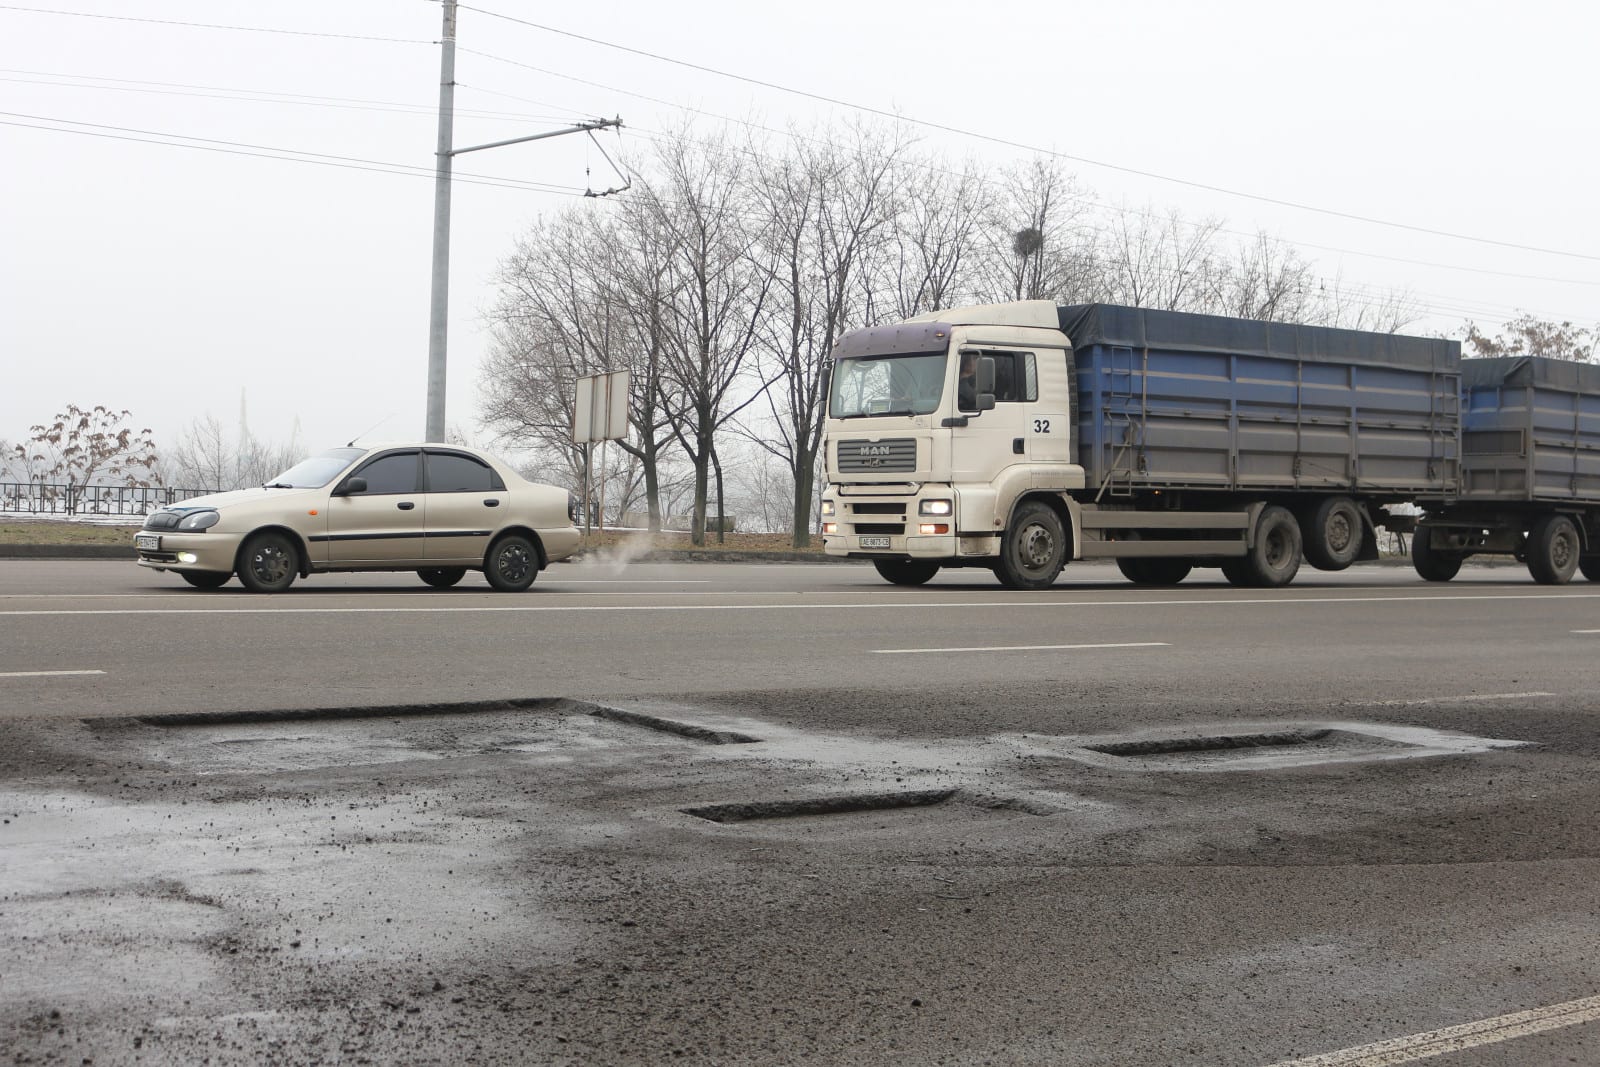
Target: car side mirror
{"points": [[351, 486]]}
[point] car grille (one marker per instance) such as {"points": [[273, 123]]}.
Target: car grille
{"points": [[893, 455], [162, 520]]}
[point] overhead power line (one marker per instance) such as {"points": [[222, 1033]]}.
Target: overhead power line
{"points": [[1008, 143], [212, 25], [287, 155]]}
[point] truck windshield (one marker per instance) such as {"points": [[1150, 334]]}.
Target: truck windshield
{"points": [[901, 384]]}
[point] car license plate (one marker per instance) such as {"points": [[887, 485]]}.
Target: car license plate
{"points": [[874, 542], [147, 542]]}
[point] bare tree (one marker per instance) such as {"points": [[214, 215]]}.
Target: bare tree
{"points": [[934, 260], [578, 296], [822, 208], [1034, 243], [697, 204], [209, 455], [1160, 261]]}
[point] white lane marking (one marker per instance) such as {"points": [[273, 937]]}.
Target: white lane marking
{"points": [[1456, 1038], [880, 605], [1586, 631], [1019, 648], [1457, 700], [43, 674]]}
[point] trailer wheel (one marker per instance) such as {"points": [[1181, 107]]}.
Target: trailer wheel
{"points": [[1553, 548], [1432, 564], [1274, 560], [905, 571], [1590, 567], [1169, 571], [1333, 533], [1034, 548]]}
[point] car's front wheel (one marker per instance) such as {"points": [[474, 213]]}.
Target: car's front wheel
{"points": [[268, 563], [512, 564], [442, 577]]}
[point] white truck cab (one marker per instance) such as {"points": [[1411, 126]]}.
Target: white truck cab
{"points": [[923, 469]]}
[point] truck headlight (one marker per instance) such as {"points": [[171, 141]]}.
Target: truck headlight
{"points": [[827, 507], [199, 520], [935, 507]]}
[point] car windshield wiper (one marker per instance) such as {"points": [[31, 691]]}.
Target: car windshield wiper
{"points": [[277, 485]]}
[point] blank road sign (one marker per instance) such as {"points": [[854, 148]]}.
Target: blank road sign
{"points": [[600, 408]]}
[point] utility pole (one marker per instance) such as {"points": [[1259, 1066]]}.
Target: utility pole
{"points": [[439, 303], [439, 299]]}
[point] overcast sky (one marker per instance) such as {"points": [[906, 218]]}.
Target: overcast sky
{"points": [[169, 280]]}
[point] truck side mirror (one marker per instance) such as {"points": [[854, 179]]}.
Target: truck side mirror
{"points": [[982, 396]]}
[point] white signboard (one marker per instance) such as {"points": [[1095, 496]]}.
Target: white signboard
{"points": [[600, 412]]}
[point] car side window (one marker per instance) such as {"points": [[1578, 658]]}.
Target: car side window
{"points": [[394, 473], [451, 472]]}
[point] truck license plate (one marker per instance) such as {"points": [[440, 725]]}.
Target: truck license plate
{"points": [[874, 542], [148, 542]]}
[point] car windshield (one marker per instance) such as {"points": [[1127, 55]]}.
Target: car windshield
{"points": [[317, 471], [901, 384]]}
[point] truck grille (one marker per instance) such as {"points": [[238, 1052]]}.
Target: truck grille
{"points": [[894, 455]]}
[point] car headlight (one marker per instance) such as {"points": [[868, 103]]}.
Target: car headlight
{"points": [[199, 520], [827, 507], [934, 507]]}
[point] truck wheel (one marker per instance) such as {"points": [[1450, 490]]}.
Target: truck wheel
{"points": [[906, 571], [1432, 564], [1590, 567], [1274, 560], [1034, 548], [1553, 548], [1237, 571], [1155, 571], [1333, 532]]}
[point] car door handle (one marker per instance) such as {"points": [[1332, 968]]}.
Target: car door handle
{"points": [[405, 505], [491, 503]]}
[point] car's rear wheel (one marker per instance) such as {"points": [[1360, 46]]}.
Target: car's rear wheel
{"points": [[268, 563], [442, 577], [512, 564], [205, 579]]}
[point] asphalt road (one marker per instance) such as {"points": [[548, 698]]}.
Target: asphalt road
{"points": [[1095, 825]]}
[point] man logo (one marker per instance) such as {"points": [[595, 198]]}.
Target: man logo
{"points": [[873, 450]]}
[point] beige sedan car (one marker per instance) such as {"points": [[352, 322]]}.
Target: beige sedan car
{"points": [[439, 510]]}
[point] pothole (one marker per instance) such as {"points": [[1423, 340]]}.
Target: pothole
{"points": [[695, 731], [840, 804], [1265, 746]]}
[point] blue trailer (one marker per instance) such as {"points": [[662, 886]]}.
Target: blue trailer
{"points": [[1020, 436], [1530, 472]]}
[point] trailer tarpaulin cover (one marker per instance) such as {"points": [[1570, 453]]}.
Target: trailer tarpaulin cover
{"points": [[1179, 331]]}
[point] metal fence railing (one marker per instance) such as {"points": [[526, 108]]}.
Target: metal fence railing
{"points": [[67, 500]]}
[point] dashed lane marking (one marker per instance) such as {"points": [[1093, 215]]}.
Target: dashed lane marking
{"points": [[1456, 1038], [44, 674], [1021, 648], [1457, 700]]}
